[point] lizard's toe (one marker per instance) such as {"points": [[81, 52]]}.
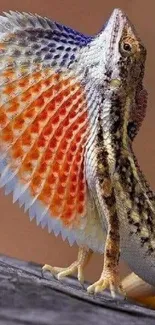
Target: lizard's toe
{"points": [[110, 281]]}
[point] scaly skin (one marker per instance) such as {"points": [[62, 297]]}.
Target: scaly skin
{"points": [[110, 135], [70, 107], [135, 202]]}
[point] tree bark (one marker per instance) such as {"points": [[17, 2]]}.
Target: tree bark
{"points": [[28, 298]]}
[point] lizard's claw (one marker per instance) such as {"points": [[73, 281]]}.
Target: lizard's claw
{"points": [[110, 281], [60, 272], [78, 266]]}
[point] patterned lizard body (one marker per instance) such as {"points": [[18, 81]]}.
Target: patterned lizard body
{"points": [[70, 106], [135, 202]]}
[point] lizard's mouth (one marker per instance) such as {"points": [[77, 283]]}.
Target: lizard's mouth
{"points": [[116, 23], [115, 28]]}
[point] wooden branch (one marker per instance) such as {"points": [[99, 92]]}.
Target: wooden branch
{"points": [[28, 298]]}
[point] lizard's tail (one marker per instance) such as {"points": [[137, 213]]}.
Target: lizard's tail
{"points": [[139, 290]]}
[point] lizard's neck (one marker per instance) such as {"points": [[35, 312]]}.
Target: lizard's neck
{"points": [[113, 127]]}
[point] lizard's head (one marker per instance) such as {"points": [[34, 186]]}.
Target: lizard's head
{"points": [[124, 71], [126, 51]]}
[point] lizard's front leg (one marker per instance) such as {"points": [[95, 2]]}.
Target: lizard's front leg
{"points": [[83, 258], [110, 274]]}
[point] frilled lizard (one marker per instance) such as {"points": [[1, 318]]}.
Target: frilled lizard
{"points": [[70, 107]]}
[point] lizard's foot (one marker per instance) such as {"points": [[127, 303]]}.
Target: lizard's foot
{"points": [[78, 266], [107, 280], [61, 272]]}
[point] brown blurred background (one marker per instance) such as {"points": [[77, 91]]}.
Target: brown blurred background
{"points": [[18, 236]]}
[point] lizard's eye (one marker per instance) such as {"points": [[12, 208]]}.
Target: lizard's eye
{"points": [[126, 48]]}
